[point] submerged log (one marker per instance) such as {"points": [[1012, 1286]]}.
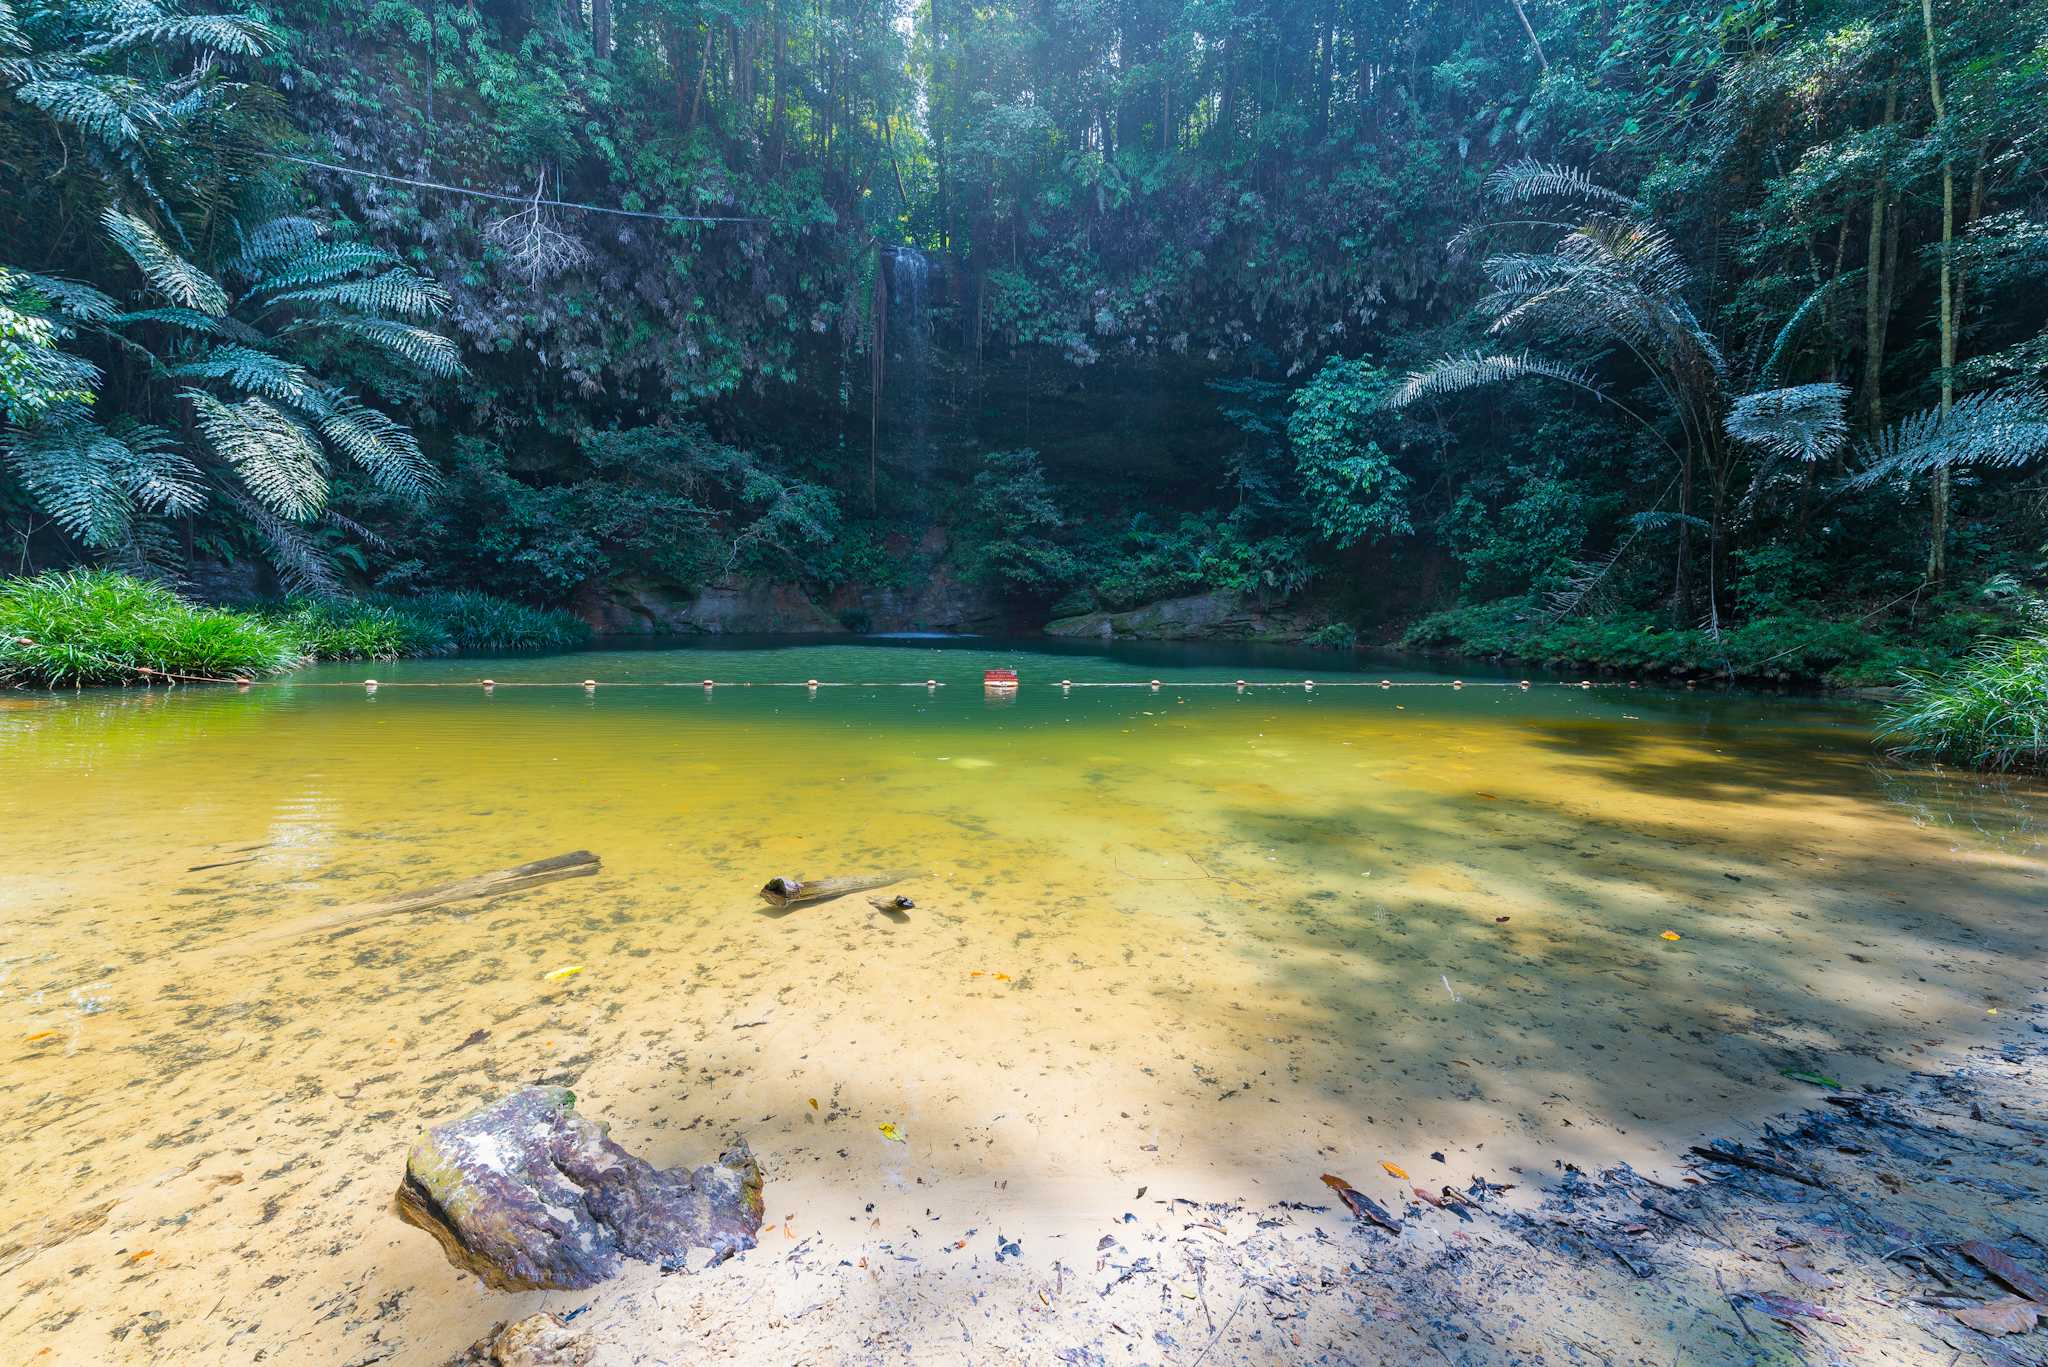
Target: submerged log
{"points": [[498, 883], [783, 892], [529, 1195]]}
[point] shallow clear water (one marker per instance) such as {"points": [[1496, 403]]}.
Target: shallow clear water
{"points": [[1198, 939]]}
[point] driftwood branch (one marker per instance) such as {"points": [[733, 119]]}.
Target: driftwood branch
{"points": [[500, 882]]}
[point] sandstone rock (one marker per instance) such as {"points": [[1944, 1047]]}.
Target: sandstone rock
{"points": [[541, 1340], [530, 1195]]}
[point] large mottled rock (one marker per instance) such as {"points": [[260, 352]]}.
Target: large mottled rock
{"points": [[729, 606], [530, 1195]]}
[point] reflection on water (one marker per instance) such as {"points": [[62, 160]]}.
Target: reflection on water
{"points": [[1224, 940]]}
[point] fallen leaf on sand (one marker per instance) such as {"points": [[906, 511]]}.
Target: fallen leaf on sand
{"points": [[1002, 977], [2000, 1264], [1798, 1264], [1789, 1307], [1426, 1198], [1361, 1205], [1817, 1079], [977, 973], [39, 1036], [1394, 1170], [814, 1103], [1673, 935], [138, 1257], [891, 1133], [562, 974], [2008, 1315]]}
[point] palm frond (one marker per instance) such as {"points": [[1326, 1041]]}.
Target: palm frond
{"points": [[1994, 429], [175, 278], [1472, 369], [1527, 179], [1807, 422], [278, 461], [301, 564]]}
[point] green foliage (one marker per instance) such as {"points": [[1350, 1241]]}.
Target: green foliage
{"points": [[81, 627], [1019, 527], [1334, 636], [1353, 489], [1988, 710]]}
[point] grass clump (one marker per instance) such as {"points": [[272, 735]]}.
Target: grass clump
{"points": [[78, 627], [344, 629], [1988, 710]]}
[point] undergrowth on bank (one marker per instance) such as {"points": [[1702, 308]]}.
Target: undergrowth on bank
{"points": [[80, 627], [76, 628], [1988, 710]]}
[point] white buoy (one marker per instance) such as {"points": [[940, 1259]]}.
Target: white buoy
{"points": [[1386, 683], [490, 684], [811, 684], [1066, 685], [1155, 685], [1240, 685], [1457, 683], [931, 683], [709, 684], [1585, 683], [369, 685], [1308, 685], [1525, 685]]}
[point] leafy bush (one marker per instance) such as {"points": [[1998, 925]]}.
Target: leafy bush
{"points": [[97, 627], [1989, 710], [1335, 636]]}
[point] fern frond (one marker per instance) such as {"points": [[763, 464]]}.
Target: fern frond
{"points": [[1528, 179], [421, 348], [231, 35], [174, 277], [70, 467], [401, 290], [188, 320], [1807, 307], [315, 264], [74, 300], [1995, 429], [302, 565], [386, 450], [1807, 422], [277, 459], [86, 104], [275, 238], [252, 371], [1455, 374]]}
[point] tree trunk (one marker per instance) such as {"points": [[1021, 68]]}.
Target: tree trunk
{"points": [[780, 113], [601, 28], [1876, 308], [1541, 61], [1937, 528]]}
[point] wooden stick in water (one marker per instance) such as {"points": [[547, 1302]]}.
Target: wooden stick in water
{"points": [[518, 878]]}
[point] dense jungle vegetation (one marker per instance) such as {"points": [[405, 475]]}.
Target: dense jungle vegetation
{"points": [[1704, 337]]}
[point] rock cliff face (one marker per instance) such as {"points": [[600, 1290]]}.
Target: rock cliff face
{"points": [[1198, 617], [529, 1195]]}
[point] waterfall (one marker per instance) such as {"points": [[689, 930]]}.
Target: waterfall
{"points": [[910, 329]]}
